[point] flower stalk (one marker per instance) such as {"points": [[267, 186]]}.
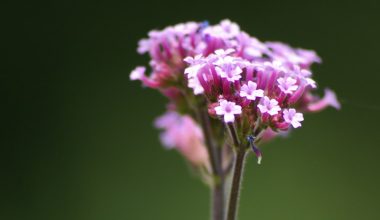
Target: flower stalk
{"points": [[217, 187], [236, 183], [218, 200]]}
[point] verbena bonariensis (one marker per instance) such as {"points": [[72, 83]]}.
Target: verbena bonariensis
{"points": [[228, 92]]}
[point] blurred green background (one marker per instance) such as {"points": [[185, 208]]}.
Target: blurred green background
{"points": [[77, 136]]}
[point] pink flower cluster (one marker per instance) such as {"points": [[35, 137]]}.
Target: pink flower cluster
{"points": [[268, 90], [260, 87]]}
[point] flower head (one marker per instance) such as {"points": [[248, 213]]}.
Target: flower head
{"points": [[217, 78], [268, 85], [228, 110]]}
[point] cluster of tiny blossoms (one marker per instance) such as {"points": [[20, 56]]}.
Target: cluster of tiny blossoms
{"points": [[266, 90], [260, 87]]}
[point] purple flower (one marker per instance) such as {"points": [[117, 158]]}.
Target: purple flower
{"points": [[196, 63], [227, 68], [231, 74], [269, 106], [226, 30], [228, 110], [231, 29], [250, 91], [292, 117], [287, 85], [253, 48]]}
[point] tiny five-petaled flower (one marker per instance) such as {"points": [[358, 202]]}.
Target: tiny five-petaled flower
{"points": [[292, 117], [228, 110], [250, 92], [269, 106], [287, 85]]}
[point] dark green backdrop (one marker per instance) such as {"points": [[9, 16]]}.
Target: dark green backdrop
{"points": [[77, 137]]}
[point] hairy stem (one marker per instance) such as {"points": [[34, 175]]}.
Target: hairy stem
{"points": [[236, 183]]}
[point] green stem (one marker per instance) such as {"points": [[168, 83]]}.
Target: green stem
{"points": [[236, 183]]}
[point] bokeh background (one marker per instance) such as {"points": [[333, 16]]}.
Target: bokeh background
{"points": [[77, 136]]}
